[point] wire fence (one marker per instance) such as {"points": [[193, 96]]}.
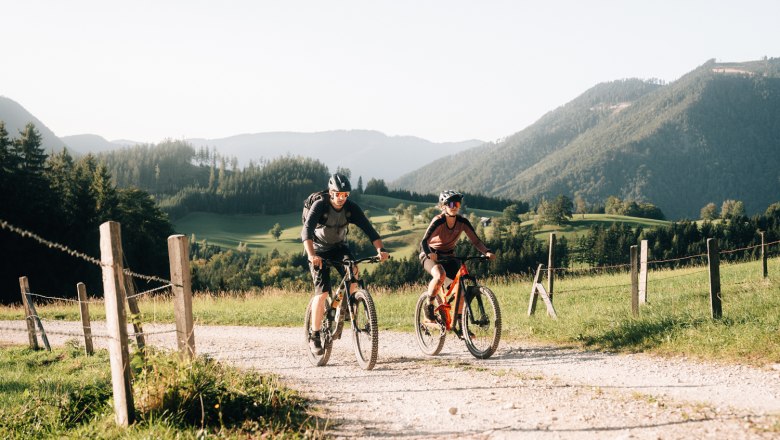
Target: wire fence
{"points": [[562, 272], [83, 302], [168, 285]]}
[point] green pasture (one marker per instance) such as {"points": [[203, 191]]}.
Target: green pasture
{"points": [[227, 231], [594, 311], [581, 223]]}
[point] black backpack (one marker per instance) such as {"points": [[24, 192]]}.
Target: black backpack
{"points": [[313, 197]]}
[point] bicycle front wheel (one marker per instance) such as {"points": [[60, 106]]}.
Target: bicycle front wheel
{"points": [[481, 322], [317, 360], [430, 335], [365, 330]]}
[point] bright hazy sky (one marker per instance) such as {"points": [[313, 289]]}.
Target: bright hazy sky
{"points": [[441, 70]]}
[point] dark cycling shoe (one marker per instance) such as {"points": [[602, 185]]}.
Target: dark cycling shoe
{"points": [[459, 333], [429, 315], [315, 345]]}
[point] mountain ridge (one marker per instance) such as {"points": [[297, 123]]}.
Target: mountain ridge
{"points": [[597, 145]]}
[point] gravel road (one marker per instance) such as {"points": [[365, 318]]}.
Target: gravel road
{"points": [[523, 391]]}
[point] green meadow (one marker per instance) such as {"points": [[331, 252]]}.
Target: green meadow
{"points": [[227, 231]]}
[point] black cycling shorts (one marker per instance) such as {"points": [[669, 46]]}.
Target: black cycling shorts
{"points": [[450, 265], [321, 276]]}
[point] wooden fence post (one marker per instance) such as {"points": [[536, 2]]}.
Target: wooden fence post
{"points": [[179, 259], [537, 290], [533, 298], [763, 257], [551, 267], [643, 272], [85, 322], [116, 321], [714, 265], [24, 286], [634, 281], [132, 304], [34, 313]]}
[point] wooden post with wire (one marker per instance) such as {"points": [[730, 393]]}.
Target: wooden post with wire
{"points": [[181, 280], [763, 256], [116, 321], [34, 314], [551, 267], [643, 272], [28, 316], [538, 290], [634, 281], [85, 321], [714, 266], [135, 312]]}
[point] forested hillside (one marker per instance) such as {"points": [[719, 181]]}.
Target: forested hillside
{"points": [[712, 135], [186, 180], [64, 201]]}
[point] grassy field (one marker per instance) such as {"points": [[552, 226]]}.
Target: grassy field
{"points": [[580, 223], [65, 394], [227, 231], [594, 311]]}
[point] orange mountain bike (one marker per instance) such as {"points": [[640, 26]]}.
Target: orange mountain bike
{"points": [[474, 317]]}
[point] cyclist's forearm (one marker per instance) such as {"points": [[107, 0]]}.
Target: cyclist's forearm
{"points": [[308, 245], [378, 245]]}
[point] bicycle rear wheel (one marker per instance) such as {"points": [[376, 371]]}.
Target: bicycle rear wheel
{"points": [[481, 322], [327, 341], [365, 330], [430, 335]]}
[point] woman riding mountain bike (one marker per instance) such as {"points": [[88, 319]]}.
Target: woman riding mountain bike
{"points": [[440, 239]]}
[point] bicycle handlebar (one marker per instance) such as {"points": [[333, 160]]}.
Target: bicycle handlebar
{"points": [[371, 259], [463, 258]]}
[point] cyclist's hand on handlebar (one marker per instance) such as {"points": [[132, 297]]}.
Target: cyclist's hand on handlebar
{"points": [[490, 256], [383, 255], [315, 261]]}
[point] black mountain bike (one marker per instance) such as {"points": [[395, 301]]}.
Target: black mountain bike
{"points": [[477, 321], [358, 308]]}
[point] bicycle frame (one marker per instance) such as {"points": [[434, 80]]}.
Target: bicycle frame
{"points": [[455, 292], [343, 292]]}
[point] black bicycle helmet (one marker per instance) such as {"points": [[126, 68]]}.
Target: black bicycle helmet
{"points": [[449, 195], [340, 183]]}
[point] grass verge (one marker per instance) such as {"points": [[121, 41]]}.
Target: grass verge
{"points": [[65, 394]]}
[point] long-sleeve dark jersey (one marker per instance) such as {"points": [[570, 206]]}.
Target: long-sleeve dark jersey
{"points": [[328, 228]]}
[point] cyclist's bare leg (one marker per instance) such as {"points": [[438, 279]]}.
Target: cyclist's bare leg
{"points": [[437, 280], [353, 286], [318, 310]]}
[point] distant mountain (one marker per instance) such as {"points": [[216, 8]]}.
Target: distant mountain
{"points": [[709, 136], [17, 117], [366, 153], [92, 143]]}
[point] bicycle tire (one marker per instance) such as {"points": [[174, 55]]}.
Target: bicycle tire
{"points": [[430, 336], [327, 343], [482, 319], [365, 330]]}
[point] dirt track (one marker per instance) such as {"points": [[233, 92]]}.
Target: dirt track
{"points": [[522, 392]]}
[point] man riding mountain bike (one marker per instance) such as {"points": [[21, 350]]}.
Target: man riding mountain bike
{"points": [[324, 236], [440, 240]]}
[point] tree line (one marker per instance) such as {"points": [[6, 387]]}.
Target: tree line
{"points": [[185, 180], [64, 200], [518, 251], [474, 200]]}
